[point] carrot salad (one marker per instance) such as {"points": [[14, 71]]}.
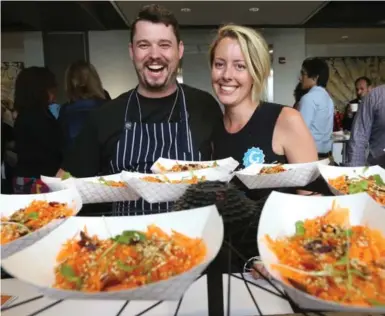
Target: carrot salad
{"points": [[272, 170], [332, 260], [126, 261], [374, 185], [187, 167], [163, 179], [111, 183], [31, 218]]}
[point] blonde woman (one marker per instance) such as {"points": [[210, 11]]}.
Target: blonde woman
{"points": [[85, 93], [253, 131]]}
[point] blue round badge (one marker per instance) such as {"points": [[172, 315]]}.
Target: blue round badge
{"points": [[252, 156]]}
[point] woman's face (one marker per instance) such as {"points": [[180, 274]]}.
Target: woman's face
{"points": [[230, 78]]}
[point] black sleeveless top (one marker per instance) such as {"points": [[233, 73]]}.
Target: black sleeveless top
{"points": [[253, 143], [256, 134]]}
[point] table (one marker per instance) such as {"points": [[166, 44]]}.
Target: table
{"points": [[194, 302]]}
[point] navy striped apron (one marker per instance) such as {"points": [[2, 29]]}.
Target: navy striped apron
{"points": [[141, 144]]}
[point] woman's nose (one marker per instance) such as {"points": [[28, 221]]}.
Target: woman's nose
{"points": [[227, 74]]}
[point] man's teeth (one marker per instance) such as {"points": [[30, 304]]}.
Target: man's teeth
{"points": [[155, 67]]}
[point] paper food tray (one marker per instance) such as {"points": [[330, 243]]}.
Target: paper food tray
{"points": [[193, 223], [226, 165], [297, 175], [92, 190], [332, 172], [278, 219], [12, 203], [154, 192]]}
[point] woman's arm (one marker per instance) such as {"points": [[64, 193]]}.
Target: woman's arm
{"points": [[296, 140]]}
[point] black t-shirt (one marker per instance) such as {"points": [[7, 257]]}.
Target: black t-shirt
{"points": [[257, 133], [93, 149], [39, 142]]}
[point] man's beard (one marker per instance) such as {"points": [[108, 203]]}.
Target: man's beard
{"points": [[156, 86]]}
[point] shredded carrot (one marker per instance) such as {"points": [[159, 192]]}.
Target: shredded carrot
{"points": [[371, 185], [163, 179], [180, 167], [272, 169], [129, 260], [31, 218], [332, 260]]}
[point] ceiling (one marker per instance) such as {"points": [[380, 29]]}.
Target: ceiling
{"points": [[213, 13], [65, 16]]}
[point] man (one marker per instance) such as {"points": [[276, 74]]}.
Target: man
{"points": [[316, 106], [363, 87], [159, 118], [368, 130]]}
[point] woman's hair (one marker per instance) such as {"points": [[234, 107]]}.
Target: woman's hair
{"points": [[255, 51], [83, 82], [32, 88]]}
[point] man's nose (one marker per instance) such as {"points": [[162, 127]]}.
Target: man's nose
{"points": [[154, 51]]}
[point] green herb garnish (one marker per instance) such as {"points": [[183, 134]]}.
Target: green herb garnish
{"points": [[342, 262], [33, 215], [377, 178], [66, 175], [357, 187], [125, 267], [299, 228], [129, 237], [69, 274], [375, 303]]}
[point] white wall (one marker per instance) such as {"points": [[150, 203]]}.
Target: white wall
{"points": [[109, 54], [26, 47], [33, 49], [288, 43]]}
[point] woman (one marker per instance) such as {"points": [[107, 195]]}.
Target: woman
{"points": [[37, 133], [85, 93], [253, 131]]}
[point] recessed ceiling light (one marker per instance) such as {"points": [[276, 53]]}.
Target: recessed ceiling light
{"points": [[253, 9], [344, 37], [185, 10]]}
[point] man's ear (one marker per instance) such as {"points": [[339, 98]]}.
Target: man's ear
{"points": [[181, 50], [131, 51]]}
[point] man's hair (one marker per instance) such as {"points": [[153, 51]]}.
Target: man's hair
{"points": [[366, 79], [156, 13], [317, 67]]}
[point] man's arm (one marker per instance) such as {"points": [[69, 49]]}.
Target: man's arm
{"points": [[360, 132], [307, 108], [82, 159]]}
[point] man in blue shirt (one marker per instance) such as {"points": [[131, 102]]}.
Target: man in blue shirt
{"points": [[316, 107]]}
